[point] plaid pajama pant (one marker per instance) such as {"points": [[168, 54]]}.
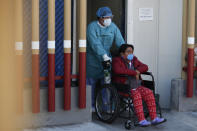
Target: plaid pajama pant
{"points": [[139, 94]]}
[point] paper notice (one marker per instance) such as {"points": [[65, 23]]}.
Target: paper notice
{"points": [[145, 14]]}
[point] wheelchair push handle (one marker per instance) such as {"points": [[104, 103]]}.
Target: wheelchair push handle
{"points": [[106, 64], [107, 71]]}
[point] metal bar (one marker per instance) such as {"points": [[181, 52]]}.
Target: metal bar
{"points": [[190, 43], [51, 55], [35, 58], [67, 54], [19, 52], [29, 79], [74, 44], [82, 53]]}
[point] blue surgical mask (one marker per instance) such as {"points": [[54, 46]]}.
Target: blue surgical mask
{"points": [[130, 57]]}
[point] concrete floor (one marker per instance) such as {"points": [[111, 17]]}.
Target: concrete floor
{"points": [[181, 121]]}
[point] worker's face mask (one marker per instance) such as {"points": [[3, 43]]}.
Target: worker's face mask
{"points": [[130, 57], [107, 22]]}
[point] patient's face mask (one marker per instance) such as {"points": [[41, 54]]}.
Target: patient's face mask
{"points": [[107, 22], [130, 57], [129, 54]]}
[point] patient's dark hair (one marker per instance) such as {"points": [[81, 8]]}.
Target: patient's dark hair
{"points": [[123, 47]]}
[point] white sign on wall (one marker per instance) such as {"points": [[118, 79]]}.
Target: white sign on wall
{"points": [[145, 14]]}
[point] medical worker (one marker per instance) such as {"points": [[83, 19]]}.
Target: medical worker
{"points": [[100, 36]]}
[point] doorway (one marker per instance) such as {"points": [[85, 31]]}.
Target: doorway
{"points": [[117, 7], [118, 10]]}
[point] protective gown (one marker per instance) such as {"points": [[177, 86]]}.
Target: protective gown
{"points": [[99, 42]]}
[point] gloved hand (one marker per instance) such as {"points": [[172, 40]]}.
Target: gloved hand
{"points": [[106, 58]]}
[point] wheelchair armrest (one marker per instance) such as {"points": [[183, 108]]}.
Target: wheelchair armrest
{"points": [[148, 83], [124, 75], [147, 73]]}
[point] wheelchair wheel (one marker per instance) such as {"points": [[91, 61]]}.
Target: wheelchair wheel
{"points": [[107, 103], [159, 112], [128, 125]]}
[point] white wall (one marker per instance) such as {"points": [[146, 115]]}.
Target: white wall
{"points": [[170, 45], [158, 42]]}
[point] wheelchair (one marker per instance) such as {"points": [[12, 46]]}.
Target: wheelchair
{"points": [[111, 103]]}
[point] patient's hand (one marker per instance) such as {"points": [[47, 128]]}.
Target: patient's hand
{"points": [[137, 72], [138, 75]]}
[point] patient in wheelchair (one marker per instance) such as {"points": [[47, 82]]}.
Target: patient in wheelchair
{"points": [[128, 64]]}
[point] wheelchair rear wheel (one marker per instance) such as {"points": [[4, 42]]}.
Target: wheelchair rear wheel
{"points": [[107, 103]]}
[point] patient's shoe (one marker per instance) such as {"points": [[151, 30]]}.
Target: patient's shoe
{"points": [[158, 120], [144, 123]]}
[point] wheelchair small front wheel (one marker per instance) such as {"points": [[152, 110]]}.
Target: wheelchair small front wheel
{"points": [[107, 103], [128, 125]]}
